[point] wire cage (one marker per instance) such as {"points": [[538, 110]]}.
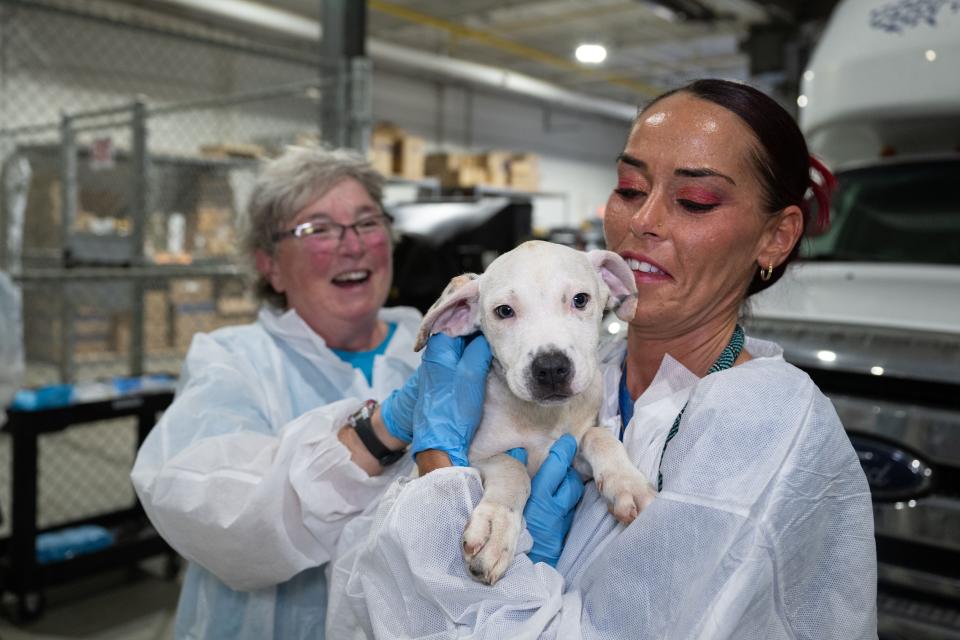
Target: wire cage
{"points": [[129, 145]]}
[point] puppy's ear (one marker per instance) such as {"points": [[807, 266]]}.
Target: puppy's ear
{"points": [[455, 313], [615, 273]]}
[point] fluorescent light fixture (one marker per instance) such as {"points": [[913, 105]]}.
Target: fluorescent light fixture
{"points": [[591, 53], [664, 13], [801, 101], [826, 356]]}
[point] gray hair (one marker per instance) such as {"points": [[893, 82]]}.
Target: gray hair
{"points": [[290, 182]]}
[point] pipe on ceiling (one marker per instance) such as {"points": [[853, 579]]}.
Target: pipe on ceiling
{"points": [[395, 56], [391, 55]]}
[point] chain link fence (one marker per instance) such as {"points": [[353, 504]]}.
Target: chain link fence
{"points": [[129, 144]]}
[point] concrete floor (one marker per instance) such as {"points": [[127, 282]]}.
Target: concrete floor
{"points": [[118, 605]]}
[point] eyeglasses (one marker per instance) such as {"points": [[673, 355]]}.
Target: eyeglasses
{"points": [[325, 235]]}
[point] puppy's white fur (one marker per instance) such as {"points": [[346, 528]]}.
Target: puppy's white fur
{"points": [[544, 382]]}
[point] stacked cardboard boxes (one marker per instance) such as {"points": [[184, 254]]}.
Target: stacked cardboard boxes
{"points": [[499, 169], [92, 330], [193, 309], [524, 172], [394, 152], [172, 316], [456, 170]]}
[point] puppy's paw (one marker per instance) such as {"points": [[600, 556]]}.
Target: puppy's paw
{"points": [[628, 491], [490, 540]]}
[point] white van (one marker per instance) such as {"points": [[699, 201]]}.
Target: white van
{"points": [[872, 310]]}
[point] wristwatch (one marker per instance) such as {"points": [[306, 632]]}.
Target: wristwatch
{"points": [[360, 422]]}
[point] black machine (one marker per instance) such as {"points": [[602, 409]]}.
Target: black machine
{"points": [[442, 238]]}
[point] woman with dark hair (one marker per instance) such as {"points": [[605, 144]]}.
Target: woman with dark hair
{"points": [[762, 527]]}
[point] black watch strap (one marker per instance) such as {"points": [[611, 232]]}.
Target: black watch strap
{"points": [[361, 423]]}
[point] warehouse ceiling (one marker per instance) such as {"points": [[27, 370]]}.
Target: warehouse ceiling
{"points": [[651, 45]]}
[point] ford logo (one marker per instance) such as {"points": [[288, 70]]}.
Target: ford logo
{"points": [[893, 474]]}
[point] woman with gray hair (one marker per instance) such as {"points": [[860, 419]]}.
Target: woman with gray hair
{"points": [[275, 439]]}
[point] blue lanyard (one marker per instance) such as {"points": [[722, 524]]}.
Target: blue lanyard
{"points": [[626, 402]]}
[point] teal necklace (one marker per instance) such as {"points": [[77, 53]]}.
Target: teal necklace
{"points": [[727, 357]]}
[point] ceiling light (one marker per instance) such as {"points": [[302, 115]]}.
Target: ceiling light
{"points": [[801, 101], [826, 356], [808, 75], [930, 55], [614, 328], [664, 13], [591, 53], [877, 371]]}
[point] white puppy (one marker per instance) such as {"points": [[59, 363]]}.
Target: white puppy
{"points": [[540, 307]]}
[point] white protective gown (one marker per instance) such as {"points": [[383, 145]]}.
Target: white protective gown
{"points": [[11, 342], [763, 530], [245, 477]]}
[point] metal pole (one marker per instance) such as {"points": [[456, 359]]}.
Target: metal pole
{"points": [[360, 114], [344, 39], [68, 206], [333, 124], [141, 203], [68, 185]]}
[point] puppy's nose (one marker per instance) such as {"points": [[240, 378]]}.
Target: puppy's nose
{"points": [[551, 369]]}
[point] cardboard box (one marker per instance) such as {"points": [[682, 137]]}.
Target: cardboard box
{"points": [[92, 330], [237, 308], [525, 182], [215, 233], [497, 166], [156, 321], [232, 150], [465, 177], [439, 163], [189, 319], [524, 172], [191, 291], [457, 170], [156, 325], [383, 142], [409, 157], [90, 346]]}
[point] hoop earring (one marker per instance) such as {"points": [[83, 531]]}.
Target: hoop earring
{"points": [[766, 274]]}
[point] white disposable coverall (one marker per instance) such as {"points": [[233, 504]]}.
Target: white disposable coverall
{"points": [[245, 477], [763, 530], [11, 343]]}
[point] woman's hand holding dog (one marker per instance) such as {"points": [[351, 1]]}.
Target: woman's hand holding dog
{"points": [[452, 384], [554, 494]]}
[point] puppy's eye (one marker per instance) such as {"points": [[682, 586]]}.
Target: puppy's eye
{"points": [[503, 311], [580, 300]]}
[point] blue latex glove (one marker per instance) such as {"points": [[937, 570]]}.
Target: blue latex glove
{"points": [[453, 377], [397, 409], [554, 494], [518, 453]]}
